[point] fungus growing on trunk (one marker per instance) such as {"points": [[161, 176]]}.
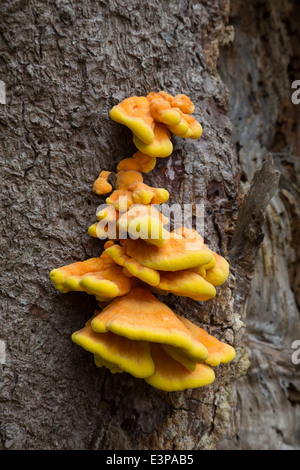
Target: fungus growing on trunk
{"points": [[188, 127], [151, 118], [126, 178], [218, 273], [218, 352], [174, 255], [139, 315], [160, 147], [101, 185], [101, 277], [130, 356], [136, 193], [135, 332], [135, 113], [133, 267], [171, 376], [187, 284], [139, 162], [162, 110]]}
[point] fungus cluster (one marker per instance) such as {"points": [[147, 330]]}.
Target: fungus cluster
{"points": [[133, 331]]}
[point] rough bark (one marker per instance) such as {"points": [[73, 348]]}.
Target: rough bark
{"points": [[259, 68], [65, 64]]}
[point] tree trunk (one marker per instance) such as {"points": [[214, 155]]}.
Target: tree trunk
{"points": [[65, 64], [259, 68]]}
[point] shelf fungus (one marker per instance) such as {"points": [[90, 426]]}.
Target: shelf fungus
{"points": [[153, 118], [139, 221], [160, 147], [176, 254], [139, 315], [133, 330], [134, 112], [146, 222], [138, 162], [130, 356], [101, 277], [101, 185], [131, 190], [171, 375]]}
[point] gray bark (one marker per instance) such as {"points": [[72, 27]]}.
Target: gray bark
{"points": [[65, 64]]}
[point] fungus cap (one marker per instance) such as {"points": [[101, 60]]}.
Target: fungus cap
{"points": [[180, 101], [179, 357], [139, 162], [131, 356], [103, 229], [121, 199], [134, 112], [184, 103], [188, 127], [109, 213], [162, 111], [145, 222], [139, 315], [219, 273], [166, 96], [142, 210], [218, 352], [144, 194], [92, 230], [147, 275], [101, 185], [176, 254], [97, 276], [133, 267], [187, 284], [127, 177], [77, 269], [184, 283], [160, 147], [171, 376], [188, 234]]}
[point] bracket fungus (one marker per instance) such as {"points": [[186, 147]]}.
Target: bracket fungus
{"points": [[134, 331], [131, 190], [133, 267], [131, 356], [171, 375], [138, 162], [101, 185], [160, 147], [134, 112], [176, 254], [218, 352], [101, 277]]}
